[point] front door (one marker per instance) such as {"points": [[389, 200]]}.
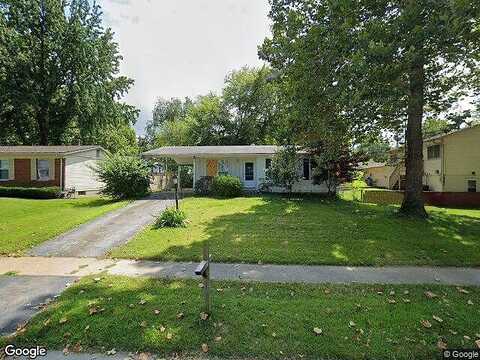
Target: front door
{"points": [[249, 174]]}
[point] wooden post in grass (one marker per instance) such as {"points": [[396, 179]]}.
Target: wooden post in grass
{"points": [[203, 269]]}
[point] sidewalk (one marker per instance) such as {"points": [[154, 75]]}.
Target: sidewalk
{"points": [[77, 267]]}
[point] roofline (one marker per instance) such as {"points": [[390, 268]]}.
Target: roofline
{"points": [[453, 132], [55, 153]]}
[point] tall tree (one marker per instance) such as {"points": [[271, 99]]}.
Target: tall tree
{"points": [[378, 64], [59, 72]]}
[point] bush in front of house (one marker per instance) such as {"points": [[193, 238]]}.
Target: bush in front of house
{"points": [[171, 217], [226, 186], [30, 193], [203, 185], [124, 177]]}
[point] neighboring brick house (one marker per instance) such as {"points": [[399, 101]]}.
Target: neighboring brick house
{"points": [[40, 166]]}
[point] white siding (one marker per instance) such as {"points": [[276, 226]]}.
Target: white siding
{"points": [[236, 168], [78, 172]]}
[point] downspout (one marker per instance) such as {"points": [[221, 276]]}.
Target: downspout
{"points": [[61, 174], [443, 169], [193, 170]]}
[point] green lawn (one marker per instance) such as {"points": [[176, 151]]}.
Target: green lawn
{"points": [[271, 229], [258, 320], [26, 223]]}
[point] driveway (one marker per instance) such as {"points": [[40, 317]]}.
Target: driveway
{"points": [[22, 296], [97, 237]]}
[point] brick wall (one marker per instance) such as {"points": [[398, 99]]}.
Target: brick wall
{"points": [[22, 175], [431, 198]]}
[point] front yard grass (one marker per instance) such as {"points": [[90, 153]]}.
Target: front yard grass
{"points": [[272, 229], [273, 321], [25, 223]]}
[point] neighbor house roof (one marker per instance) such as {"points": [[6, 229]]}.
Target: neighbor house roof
{"points": [[453, 132], [370, 164], [47, 150], [213, 150]]}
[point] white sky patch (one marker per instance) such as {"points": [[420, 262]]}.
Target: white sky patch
{"points": [[179, 48]]}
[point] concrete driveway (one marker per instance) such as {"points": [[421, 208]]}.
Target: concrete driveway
{"points": [[97, 237]]}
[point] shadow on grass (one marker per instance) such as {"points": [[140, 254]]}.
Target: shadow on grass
{"points": [[98, 202], [248, 319], [326, 231]]}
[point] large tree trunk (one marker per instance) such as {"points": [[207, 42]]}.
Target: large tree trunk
{"points": [[413, 203]]}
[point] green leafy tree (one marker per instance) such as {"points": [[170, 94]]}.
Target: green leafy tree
{"points": [[284, 169], [377, 64], [124, 177], [58, 73]]}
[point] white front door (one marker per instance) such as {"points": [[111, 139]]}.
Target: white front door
{"points": [[249, 174]]}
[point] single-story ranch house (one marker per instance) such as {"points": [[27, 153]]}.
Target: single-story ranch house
{"points": [[249, 163], [39, 166]]}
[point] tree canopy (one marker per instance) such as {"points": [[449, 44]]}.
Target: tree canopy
{"points": [[365, 66], [59, 81], [249, 110]]}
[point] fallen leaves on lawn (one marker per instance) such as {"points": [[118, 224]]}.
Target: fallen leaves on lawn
{"points": [[97, 279], [156, 312], [180, 315], [391, 301], [143, 324], [440, 320], [47, 322], [169, 336], [144, 356], [442, 345], [217, 338], [462, 290], [162, 328], [469, 302], [203, 316], [142, 302], [95, 310], [77, 347], [426, 324], [63, 320], [111, 352], [317, 331], [205, 348], [430, 294], [351, 323], [477, 343]]}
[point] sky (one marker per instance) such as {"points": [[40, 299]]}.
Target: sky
{"points": [[179, 48]]}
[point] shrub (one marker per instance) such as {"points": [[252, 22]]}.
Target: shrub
{"points": [[226, 186], [124, 177], [203, 185], [30, 193], [171, 217]]}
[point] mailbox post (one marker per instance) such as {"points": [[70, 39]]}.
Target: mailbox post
{"points": [[175, 183], [203, 269]]}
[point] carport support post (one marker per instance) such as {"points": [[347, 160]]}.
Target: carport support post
{"points": [[206, 277]]}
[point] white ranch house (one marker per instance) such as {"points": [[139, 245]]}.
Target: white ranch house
{"points": [[249, 163]]}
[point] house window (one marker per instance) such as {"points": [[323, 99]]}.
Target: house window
{"points": [[249, 171], [43, 170], [433, 152], [472, 185], [4, 169], [306, 169], [222, 167]]}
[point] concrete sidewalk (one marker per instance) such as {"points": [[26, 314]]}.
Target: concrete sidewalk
{"points": [[97, 237], [77, 267]]}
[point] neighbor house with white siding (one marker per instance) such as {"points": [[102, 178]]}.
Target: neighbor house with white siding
{"points": [[247, 162], [68, 167]]}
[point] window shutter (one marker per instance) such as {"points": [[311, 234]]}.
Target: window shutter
{"points": [[51, 168], [33, 169], [11, 169]]}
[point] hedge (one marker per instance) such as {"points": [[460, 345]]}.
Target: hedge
{"points": [[30, 193]]}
